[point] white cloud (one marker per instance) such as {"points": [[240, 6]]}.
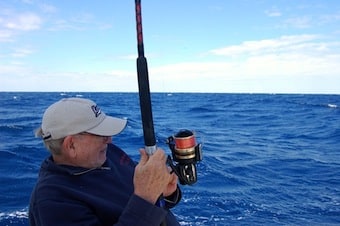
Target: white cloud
{"points": [[298, 22], [78, 22], [6, 35], [22, 52], [23, 22], [129, 57], [28, 1], [32, 79], [273, 13], [278, 45], [46, 8], [12, 24], [287, 64]]}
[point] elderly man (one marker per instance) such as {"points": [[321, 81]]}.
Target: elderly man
{"points": [[87, 180]]}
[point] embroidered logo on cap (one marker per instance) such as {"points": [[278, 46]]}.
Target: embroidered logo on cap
{"points": [[96, 110]]}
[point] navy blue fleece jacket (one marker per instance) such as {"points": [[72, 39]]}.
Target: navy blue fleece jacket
{"points": [[66, 195]]}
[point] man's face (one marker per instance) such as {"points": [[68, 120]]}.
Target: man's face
{"points": [[91, 149]]}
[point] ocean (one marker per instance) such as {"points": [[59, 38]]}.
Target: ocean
{"points": [[268, 159]]}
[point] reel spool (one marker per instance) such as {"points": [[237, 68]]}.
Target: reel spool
{"points": [[186, 152]]}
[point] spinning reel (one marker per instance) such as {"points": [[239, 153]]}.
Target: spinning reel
{"points": [[186, 153]]}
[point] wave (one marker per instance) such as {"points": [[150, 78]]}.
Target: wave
{"points": [[16, 217], [332, 105]]}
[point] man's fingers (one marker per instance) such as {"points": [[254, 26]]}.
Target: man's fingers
{"points": [[143, 156]]}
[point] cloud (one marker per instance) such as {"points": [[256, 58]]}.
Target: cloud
{"points": [[330, 18], [6, 35], [298, 22], [24, 22], [28, 1], [287, 64], [22, 52], [273, 13], [12, 24], [78, 22], [46, 8], [299, 63], [303, 63], [28, 79], [129, 57], [277, 45]]}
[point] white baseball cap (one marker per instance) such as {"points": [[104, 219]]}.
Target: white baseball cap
{"points": [[71, 116]]}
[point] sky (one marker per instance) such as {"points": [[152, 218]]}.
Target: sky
{"points": [[228, 46]]}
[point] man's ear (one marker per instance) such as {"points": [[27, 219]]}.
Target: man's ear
{"points": [[68, 146]]}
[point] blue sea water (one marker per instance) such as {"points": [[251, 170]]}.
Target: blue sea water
{"points": [[267, 159]]}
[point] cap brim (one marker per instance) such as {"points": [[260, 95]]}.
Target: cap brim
{"points": [[109, 126]]}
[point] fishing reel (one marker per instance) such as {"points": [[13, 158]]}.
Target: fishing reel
{"points": [[186, 153]]}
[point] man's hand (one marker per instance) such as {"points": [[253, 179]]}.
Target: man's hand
{"points": [[152, 177], [172, 185]]}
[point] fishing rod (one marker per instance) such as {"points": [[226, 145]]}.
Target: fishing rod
{"points": [[144, 87], [185, 151], [144, 94]]}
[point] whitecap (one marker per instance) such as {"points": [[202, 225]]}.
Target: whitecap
{"points": [[15, 214]]}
